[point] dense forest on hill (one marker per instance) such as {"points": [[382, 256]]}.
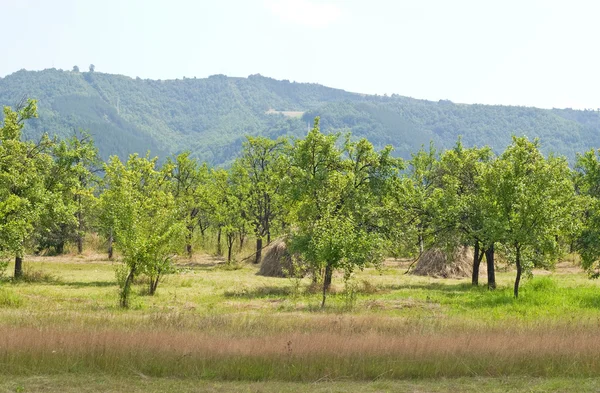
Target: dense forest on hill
{"points": [[212, 116]]}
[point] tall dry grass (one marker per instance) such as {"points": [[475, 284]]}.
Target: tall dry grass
{"points": [[302, 356]]}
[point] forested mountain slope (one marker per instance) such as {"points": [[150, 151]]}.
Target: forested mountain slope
{"points": [[211, 116]]}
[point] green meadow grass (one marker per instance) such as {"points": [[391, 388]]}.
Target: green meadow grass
{"points": [[143, 384], [210, 323]]}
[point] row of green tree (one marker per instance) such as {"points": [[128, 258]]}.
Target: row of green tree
{"points": [[339, 203]]}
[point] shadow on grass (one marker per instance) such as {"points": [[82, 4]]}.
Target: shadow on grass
{"points": [[438, 287], [257, 293], [204, 266], [589, 300], [460, 294], [86, 284], [36, 277]]}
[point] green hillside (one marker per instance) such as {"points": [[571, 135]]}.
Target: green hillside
{"points": [[211, 116]]}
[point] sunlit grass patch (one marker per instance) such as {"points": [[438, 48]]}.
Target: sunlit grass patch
{"points": [[9, 298]]}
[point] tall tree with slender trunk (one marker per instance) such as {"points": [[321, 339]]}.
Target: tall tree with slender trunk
{"points": [[264, 163], [73, 181], [191, 190], [458, 201], [530, 198], [23, 171], [334, 208], [230, 191], [587, 180]]}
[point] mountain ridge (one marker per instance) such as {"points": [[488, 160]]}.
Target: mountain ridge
{"points": [[211, 116]]}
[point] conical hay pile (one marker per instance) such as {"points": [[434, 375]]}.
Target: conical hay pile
{"points": [[276, 260], [436, 262]]}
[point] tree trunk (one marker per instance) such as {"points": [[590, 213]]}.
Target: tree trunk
{"points": [[188, 238], [572, 247], [328, 276], [126, 290], [421, 244], [79, 244], [110, 245], [79, 228], [242, 240], [219, 249], [60, 248], [153, 285], [230, 241], [258, 250], [518, 279], [491, 273], [267, 229], [18, 266], [326, 283], [476, 262]]}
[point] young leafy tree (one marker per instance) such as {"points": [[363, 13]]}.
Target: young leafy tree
{"points": [[529, 201], [192, 194], [415, 197], [107, 212], [72, 181], [264, 162], [230, 189], [334, 215], [147, 228], [459, 203], [23, 170], [587, 180]]}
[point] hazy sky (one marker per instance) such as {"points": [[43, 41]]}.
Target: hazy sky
{"points": [[524, 52]]}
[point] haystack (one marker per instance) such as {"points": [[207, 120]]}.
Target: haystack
{"points": [[437, 262], [277, 260]]}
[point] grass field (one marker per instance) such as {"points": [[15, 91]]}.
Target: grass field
{"points": [[213, 327]]}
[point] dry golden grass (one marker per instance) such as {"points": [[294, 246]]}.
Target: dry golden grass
{"points": [[304, 356], [500, 344]]}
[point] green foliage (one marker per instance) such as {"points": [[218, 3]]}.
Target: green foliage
{"points": [[263, 164], [529, 201], [230, 191], [193, 195], [145, 220], [72, 181], [409, 216], [334, 207], [587, 179], [458, 204], [342, 203], [211, 117], [23, 172]]}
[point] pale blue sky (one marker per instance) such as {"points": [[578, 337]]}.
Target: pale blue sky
{"points": [[527, 52]]}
